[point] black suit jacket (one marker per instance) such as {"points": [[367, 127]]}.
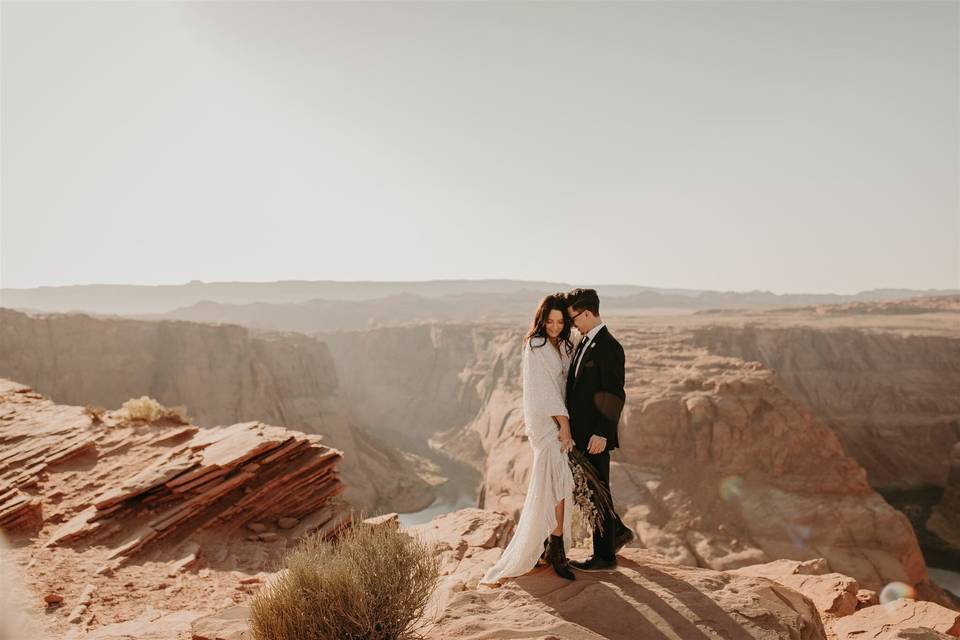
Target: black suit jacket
{"points": [[595, 396]]}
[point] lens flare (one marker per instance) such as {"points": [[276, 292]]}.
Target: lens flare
{"points": [[896, 590], [731, 488], [799, 535]]}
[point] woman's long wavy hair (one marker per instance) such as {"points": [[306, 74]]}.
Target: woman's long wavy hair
{"points": [[538, 328]]}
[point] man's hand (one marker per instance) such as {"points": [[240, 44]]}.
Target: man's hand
{"points": [[597, 444]]}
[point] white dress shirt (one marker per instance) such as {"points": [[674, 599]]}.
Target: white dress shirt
{"points": [[590, 336]]}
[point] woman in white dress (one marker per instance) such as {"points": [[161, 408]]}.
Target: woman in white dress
{"points": [[547, 508]]}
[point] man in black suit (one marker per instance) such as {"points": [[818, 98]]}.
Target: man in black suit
{"points": [[595, 398]]}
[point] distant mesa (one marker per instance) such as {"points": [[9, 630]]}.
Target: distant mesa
{"points": [[493, 296]]}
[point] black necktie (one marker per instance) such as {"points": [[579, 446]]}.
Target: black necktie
{"points": [[576, 355]]}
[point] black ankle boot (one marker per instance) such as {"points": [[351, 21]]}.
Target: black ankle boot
{"points": [[557, 558], [543, 555]]}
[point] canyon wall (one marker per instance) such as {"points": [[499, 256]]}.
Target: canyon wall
{"points": [[413, 380], [222, 374], [894, 400], [944, 521]]}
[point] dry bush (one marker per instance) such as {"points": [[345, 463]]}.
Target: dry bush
{"points": [[96, 413], [149, 410], [372, 583]]}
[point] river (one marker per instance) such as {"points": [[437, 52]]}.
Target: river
{"points": [[946, 578], [462, 488]]}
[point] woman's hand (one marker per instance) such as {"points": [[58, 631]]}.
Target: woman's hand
{"points": [[563, 433]]}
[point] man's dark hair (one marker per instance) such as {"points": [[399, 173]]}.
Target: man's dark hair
{"points": [[584, 299]]}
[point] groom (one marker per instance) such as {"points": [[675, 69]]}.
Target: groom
{"points": [[595, 399]]}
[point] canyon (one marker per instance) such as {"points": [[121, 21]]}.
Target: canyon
{"points": [[826, 435], [223, 373], [727, 457]]}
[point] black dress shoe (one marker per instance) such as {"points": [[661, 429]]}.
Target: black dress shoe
{"points": [[595, 564], [625, 537]]}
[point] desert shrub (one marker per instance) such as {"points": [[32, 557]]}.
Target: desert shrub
{"points": [[149, 410], [372, 583], [96, 413]]}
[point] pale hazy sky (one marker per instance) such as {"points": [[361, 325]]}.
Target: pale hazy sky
{"points": [[802, 146]]}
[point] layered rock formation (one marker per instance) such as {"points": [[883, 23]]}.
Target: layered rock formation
{"points": [[885, 377], [225, 374], [108, 514], [891, 398]]}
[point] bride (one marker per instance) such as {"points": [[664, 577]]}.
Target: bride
{"points": [[547, 509]]}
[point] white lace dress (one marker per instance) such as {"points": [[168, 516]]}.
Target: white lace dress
{"points": [[544, 386]]}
